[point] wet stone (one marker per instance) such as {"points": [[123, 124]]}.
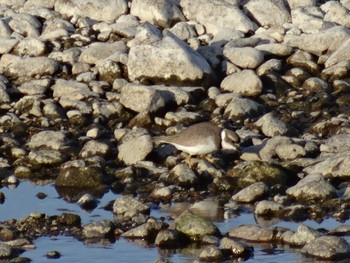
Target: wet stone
{"points": [[194, 226], [98, 229], [53, 254], [5, 251], [302, 236], [167, 238], [182, 175], [210, 253], [327, 248], [267, 208], [235, 248], [127, 206], [147, 231], [80, 174], [252, 233], [251, 193]]}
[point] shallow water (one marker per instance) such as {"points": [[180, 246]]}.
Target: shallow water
{"points": [[22, 201]]}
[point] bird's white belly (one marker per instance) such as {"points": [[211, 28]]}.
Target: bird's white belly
{"points": [[207, 146]]}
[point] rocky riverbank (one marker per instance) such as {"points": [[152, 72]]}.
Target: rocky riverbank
{"points": [[85, 85]]}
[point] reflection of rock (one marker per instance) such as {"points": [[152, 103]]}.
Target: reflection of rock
{"points": [[72, 194]]}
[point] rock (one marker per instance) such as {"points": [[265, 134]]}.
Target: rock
{"points": [[251, 193], [339, 55], [15, 67], [277, 15], [294, 212], [252, 233], [107, 11], [245, 83], [46, 157], [235, 248], [241, 108], [334, 166], [327, 248], [210, 253], [159, 13], [182, 175], [142, 98], [99, 229], [293, 4], [310, 20], [135, 146], [127, 206], [5, 251], [312, 188], [247, 173], [265, 150], [167, 238], [31, 46], [244, 57], [88, 202], [194, 227], [80, 174], [206, 13], [336, 13], [164, 193], [25, 25], [93, 148], [326, 41], [98, 51], [71, 90], [169, 60], [267, 208], [336, 144], [272, 126], [184, 31], [55, 140], [7, 44], [275, 49], [290, 151], [146, 231], [302, 236]]}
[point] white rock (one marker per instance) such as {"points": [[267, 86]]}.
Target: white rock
{"points": [[168, 60], [268, 12], [72, 90], [183, 30], [320, 43], [290, 151], [93, 148], [31, 46], [336, 13], [25, 24], [99, 51], [340, 55], [272, 126], [240, 108], [293, 4], [108, 10], [135, 146], [215, 15], [7, 44], [244, 57], [162, 13], [55, 140], [245, 83], [275, 49]]}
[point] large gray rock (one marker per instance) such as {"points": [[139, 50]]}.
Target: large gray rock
{"points": [[99, 229], [169, 60], [7, 44], [302, 236], [240, 108], [194, 226], [341, 54], [141, 98], [99, 51], [336, 144], [268, 12], [328, 248], [135, 146], [334, 166], [55, 140], [163, 13], [128, 207], [207, 12], [252, 233], [244, 57], [245, 83], [16, 67], [272, 126], [336, 13], [107, 11], [251, 193], [72, 90], [326, 41], [312, 188]]}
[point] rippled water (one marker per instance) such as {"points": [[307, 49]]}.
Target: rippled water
{"points": [[22, 201]]}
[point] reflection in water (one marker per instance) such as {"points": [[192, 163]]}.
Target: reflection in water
{"points": [[122, 250]]}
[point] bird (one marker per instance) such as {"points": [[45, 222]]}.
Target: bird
{"points": [[201, 138]]}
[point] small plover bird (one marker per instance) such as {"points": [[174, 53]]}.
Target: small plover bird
{"points": [[201, 138]]}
